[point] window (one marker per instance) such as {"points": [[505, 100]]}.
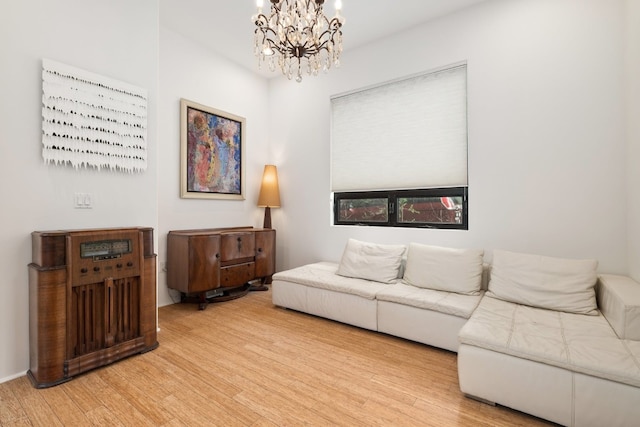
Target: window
{"points": [[399, 152], [421, 208]]}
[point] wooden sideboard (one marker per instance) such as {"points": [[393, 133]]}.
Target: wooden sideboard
{"points": [[92, 300], [217, 264]]}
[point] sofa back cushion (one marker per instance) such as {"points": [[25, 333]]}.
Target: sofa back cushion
{"points": [[371, 261], [553, 283], [444, 269]]}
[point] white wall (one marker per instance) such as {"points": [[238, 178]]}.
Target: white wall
{"points": [[117, 39], [547, 149], [189, 71], [632, 68]]}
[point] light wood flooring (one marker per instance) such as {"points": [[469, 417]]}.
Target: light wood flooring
{"points": [[247, 363]]}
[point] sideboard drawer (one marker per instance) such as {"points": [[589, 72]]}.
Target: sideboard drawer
{"points": [[237, 275], [237, 245]]}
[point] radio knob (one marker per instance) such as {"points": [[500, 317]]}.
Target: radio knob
{"points": [[96, 268], [130, 264], [83, 270], [119, 265]]}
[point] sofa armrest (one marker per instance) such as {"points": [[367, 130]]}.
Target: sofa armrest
{"points": [[619, 301]]}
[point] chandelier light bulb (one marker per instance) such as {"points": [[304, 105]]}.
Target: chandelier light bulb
{"points": [[299, 34]]}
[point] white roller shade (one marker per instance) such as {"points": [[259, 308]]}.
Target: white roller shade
{"points": [[406, 134]]}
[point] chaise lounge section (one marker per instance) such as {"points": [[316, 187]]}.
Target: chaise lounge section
{"points": [[573, 364], [571, 369]]}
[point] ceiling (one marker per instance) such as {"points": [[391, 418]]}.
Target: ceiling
{"points": [[225, 26]]}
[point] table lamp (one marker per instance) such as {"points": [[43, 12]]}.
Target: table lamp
{"points": [[269, 193]]}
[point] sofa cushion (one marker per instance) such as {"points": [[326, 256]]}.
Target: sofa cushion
{"points": [[371, 261], [546, 282], [322, 275], [440, 301], [576, 342], [444, 269], [619, 301]]}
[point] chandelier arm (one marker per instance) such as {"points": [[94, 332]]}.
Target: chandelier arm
{"points": [[275, 46], [309, 47], [261, 20], [326, 41], [333, 27], [266, 30], [275, 6], [328, 33], [335, 24]]}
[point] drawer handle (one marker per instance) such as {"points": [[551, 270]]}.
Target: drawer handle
{"points": [[259, 249]]}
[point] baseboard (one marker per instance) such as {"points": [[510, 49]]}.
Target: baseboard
{"points": [[12, 377]]}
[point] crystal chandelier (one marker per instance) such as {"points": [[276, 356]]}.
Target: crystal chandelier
{"points": [[296, 35]]}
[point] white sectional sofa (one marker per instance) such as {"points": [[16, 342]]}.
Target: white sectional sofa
{"points": [[536, 334]]}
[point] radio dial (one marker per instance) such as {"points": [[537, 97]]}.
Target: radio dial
{"points": [[96, 269], [83, 270]]}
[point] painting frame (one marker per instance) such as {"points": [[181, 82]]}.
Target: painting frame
{"points": [[212, 153]]}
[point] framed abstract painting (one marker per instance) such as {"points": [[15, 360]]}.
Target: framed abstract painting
{"points": [[211, 153]]}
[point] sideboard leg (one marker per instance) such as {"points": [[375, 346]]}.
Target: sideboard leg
{"points": [[262, 286], [203, 301]]}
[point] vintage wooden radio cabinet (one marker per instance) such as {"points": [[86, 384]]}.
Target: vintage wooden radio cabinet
{"points": [[92, 300], [219, 262]]}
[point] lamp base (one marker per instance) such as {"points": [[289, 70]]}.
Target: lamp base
{"points": [[267, 217], [262, 286]]}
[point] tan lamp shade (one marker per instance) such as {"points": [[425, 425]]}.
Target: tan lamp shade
{"points": [[269, 190]]}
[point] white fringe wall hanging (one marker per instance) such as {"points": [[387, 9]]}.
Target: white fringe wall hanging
{"points": [[90, 120]]}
